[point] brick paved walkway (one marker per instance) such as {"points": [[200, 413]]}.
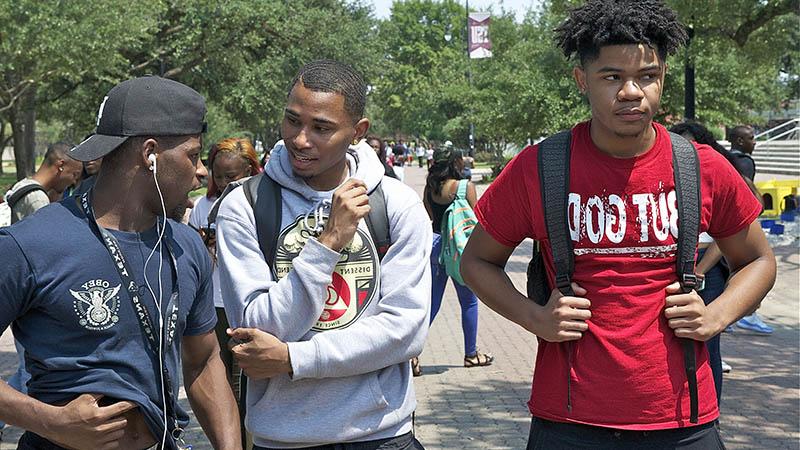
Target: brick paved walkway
{"points": [[484, 408]]}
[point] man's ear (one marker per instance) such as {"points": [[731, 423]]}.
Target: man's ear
{"points": [[148, 147], [580, 79], [361, 128]]}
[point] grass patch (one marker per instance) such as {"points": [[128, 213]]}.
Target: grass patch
{"points": [[7, 179], [200, 192]]}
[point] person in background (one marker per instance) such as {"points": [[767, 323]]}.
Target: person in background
{"points": [[429, 155], [57, 173], [380, 150], [230, 160], [441, 186], [743, 143], [399, 153]]}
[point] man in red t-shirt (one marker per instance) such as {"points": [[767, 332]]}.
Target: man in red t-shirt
{"points": [[609, 369]]}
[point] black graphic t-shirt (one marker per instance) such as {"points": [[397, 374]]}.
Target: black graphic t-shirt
{"points": [[64, 298]]}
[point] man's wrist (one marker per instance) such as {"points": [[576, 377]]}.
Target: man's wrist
{"points": [[329, 241], [532, 320], [47, 419], [717, 318], [287, 360]]}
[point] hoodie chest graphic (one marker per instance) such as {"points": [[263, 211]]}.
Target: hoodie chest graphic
{"points": [[355, 278]]}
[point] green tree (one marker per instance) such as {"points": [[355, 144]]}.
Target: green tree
{"points": [[44, 43], [240, 54], [421, 88]]}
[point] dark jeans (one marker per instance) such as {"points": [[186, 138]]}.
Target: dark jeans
{"points": [[403, 442], [566, 436], [715, 284], [31, 441]]}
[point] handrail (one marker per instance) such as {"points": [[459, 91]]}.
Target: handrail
{"points": [[777, 127], [773, 138]]}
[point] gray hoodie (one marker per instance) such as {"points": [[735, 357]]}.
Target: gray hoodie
{"points": [[351, 323]]}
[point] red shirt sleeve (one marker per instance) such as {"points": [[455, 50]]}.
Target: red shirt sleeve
{"points": [[504, 210], [733, 205]]}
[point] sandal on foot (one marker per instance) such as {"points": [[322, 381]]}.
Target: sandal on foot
{"points": [[478, 359], [416, 369]]}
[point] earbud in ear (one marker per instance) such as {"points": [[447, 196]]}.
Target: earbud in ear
{"points": [[152, 158]]}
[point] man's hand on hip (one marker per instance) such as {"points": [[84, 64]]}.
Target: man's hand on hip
{"points": [[83, 423]]}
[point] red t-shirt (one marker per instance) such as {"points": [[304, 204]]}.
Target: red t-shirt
{"points": [[627, 370]]}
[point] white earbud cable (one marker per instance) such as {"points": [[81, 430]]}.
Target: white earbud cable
{"points": [[159, 245]]}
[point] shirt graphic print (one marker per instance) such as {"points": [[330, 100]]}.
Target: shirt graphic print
{"points": [[355, 278]]}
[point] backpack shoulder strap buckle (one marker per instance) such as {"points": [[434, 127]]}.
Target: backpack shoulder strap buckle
{"points": [[689, 281]]}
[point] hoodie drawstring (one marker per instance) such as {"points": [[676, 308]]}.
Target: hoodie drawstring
{"points": [[320, 209]]}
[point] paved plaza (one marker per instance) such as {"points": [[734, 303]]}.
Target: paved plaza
{"points": [[484, 408]]}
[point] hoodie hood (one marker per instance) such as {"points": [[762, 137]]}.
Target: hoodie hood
{"points": [[362, 162]]}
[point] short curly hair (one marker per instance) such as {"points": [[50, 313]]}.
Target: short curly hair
{"points": [[599, 23]]}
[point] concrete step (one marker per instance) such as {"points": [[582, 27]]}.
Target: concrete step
{"points": [[788, 162], [776, 151], [794, 172], [786, 158]]}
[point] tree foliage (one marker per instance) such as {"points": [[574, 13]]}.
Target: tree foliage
{"points": [[58, 59]]}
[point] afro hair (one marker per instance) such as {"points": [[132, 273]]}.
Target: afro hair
{"points": [[599, 23]]}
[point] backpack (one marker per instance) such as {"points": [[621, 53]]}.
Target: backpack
{"points": [[554, 155], [6, 216], [458, 222]]}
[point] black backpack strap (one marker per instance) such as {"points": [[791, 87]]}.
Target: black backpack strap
{"points": [[264, 195], [687, 189], [19, 194], [378, 221], [554, 155]]}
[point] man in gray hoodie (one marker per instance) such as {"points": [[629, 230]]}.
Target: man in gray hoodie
{"points": [[326, 341]]}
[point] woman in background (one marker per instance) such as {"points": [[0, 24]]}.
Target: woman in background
{"points": [[229, 160], [444, 179]]}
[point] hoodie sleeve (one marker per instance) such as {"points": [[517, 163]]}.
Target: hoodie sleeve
{"points": [[287, 309], [396, 332]]}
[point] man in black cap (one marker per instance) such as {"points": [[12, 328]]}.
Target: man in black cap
{"points": [[108, 313]]}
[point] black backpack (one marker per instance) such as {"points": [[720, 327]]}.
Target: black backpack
{"points": [[554, 155]]}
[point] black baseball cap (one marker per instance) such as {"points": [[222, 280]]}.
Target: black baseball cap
{"points": [[146, 106]]}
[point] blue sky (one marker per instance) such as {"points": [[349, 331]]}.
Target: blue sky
{"points": [[383, 7]]}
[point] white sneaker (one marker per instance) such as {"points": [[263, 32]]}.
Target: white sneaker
{"points": [[726, 368]]}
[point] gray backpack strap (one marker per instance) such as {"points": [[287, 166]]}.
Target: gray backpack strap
{"points": [[554, 155], [687, 189], [378, 221]]}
